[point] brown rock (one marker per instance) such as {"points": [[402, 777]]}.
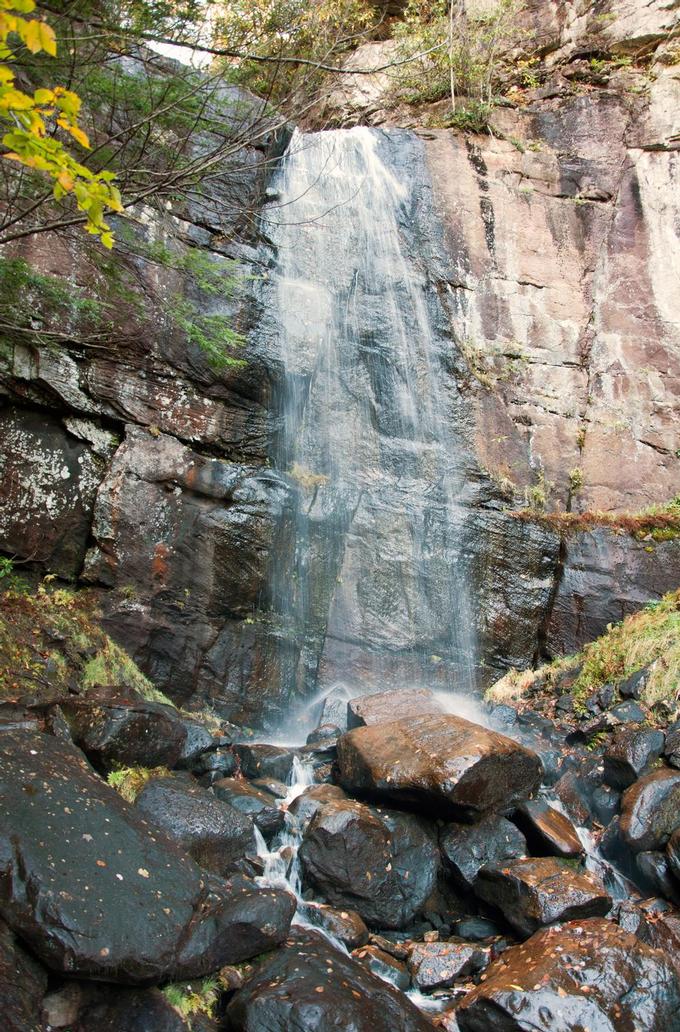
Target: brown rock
{"points": [[445, 763], [384, 707], [345, 925], [548, 832], [650, 810], [585, 974], [536, 892], [437, 965]]}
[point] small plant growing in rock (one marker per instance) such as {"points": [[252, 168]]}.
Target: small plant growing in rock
{"points": [[576, 479], [306, 478], [129, 781], [190, 999]]}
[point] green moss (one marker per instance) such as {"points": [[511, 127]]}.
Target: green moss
{"points": [[193, 998], [129, 781]]}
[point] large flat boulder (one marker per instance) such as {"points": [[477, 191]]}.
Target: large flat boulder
{"points": [[310, 986], [584, 975], [381, 863], [384, 707], [95, 891], [533, 893], [444, 763]]}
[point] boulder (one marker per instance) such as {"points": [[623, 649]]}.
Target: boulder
{"points": [[672, 747], [673, 853], [468, 847], [436, 965], [129, 1010], [443, 763], [650, 810], [198, 742], [583, 975], [655, 922], [381, 863], [23, 984], [548, 832], [655, 875], [344, 925], [314, 799], [537, 892], [95, 891], [253, 802], [630, 754], [384, 965], [215, 764], [117, 727], [310, 986], [385, 707], [216, 835], [270, 761]]}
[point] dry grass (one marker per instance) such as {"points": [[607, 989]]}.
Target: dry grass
{"points": [[659, 522]]}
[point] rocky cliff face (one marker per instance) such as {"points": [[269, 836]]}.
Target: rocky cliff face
{"points": [[136, 467]]}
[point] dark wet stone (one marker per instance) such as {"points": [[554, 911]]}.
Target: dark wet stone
{"points": [[436, 965], [309, 986], [502, 716], [381, 863], [446, 904], [260, 806], [386, 707], [548, 832], [469, 847], [23, 984], [384, 965], [632, 687], [655, 922], [314, 799], [656, 875], [345, 925], [617, 852], [650, 810], [198, 741], [629, 713], [265, 761], [221, 762], [129, 1010], [629, 985], [117, 727], [216, 835], [587, 730], [533, 893], [324, 734], [630, 754], [565, 704], [672, 746], [443, 763], [95, 891], [673, 853], [477, 929], [604, 804]]}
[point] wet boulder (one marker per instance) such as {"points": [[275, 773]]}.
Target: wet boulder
{"points": [[95, 891], [384, 965], [115, 726], [673, 853], [468, 847], [548, 832], [215, 834], [310, 986], [445, 764], [23, 984], [631, 754], [314, 799], [583, 975], [650, 810], [253, 802], [129, 1010], [655, 875], [437, 965], [655, 922], [672, 746], [270, 761], [533, 893], [344, 925], [385, 707], [381, 863], [198, 742]]}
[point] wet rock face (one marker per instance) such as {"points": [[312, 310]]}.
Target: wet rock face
{"points": [[215, 834], [542, 984], [260, 806], [23, 983], [381, 863], [131, 733], [96, 892], [489, 842], [312, 987], [650, 810], [548, 832], [536, 892], [384, 707], [270, 761], [445, 763]]}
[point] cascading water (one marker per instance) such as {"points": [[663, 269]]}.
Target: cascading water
{"points": [[375, 594]]}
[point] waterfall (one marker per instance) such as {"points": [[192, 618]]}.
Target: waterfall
{"points": [[374, 591]]}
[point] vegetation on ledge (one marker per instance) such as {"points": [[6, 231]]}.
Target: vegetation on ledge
{"points": [[647, 640], [659, 522]]}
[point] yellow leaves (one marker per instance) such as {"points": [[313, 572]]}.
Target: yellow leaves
{"points": [[28, 141]]}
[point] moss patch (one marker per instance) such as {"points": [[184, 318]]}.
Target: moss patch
{"points": [[129, 781], [657, 523], [51, 644]]}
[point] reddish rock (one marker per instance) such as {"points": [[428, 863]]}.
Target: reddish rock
{"points": [[548, 832], [444, 763], [384, 707], [436, 965], [583, 975], [345, 925], [536, 892]]}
